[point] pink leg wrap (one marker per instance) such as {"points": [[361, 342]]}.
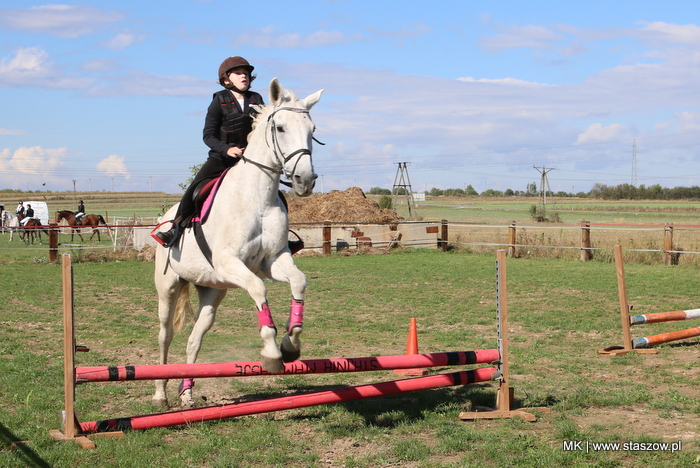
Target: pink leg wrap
{"points": [[265, 317], [296, 315], [186, 384]]}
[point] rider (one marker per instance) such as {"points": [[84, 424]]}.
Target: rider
{"points": [[20, 210], [226, 129], [28, 215], [80, 213]]}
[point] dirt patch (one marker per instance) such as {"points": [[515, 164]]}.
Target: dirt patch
{"points": [[347, 206]]}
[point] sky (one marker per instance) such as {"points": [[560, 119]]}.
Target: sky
{"points": [[111, 96]]}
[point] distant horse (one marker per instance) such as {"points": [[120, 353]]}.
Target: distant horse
{"points": [[86, 221], [246, 233], [30, 230], [10, 222]]}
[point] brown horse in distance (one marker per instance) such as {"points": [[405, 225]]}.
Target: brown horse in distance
{"points": [[86, 221], [31, 230]]}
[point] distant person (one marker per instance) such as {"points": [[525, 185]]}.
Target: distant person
{"points": [[28, 215], [20, 210], [80, 213]]}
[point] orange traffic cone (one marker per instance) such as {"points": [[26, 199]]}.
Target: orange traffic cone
{"points": [[412, 348]]}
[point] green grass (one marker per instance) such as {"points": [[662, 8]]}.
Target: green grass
{"points": [[561, 313]]}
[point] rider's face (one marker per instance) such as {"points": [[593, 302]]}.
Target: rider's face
{"points": [[239, 78]]}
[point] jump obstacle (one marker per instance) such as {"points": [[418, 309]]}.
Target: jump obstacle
{"points": [[642, 344], [505, 404], [83, 432]]}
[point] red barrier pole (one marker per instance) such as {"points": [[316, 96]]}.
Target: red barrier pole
{"points": [[311, 366], [178, 418]]}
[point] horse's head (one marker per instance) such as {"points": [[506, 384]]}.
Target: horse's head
{"points": [[59, 216], [290, 133]]}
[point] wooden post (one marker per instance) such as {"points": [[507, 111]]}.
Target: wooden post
{"points": [[53, 242], [442, 243], [511, 240], [326, 238], [71, 424], [624, 313], [668, 244], [622, 295], [586, 253], [504, 398]]}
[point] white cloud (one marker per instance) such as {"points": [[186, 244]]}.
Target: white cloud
{"points": [[57, 20], [32, 160], [517, 37], [269, 37], [597, 133], [31, 67], [10, 131], [123, 40], [114, 165], [688, 34], [503, 81]]}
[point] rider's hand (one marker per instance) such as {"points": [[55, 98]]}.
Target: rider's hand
{"points": [[235, 152]]}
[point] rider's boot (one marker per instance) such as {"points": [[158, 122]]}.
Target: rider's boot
{"points": [[169, 237]]}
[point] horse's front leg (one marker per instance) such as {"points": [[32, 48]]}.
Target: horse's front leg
{"points": [[238, 274], [209, 300], [284, 269]]}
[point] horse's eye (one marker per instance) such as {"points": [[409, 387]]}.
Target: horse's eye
{"points": [[280, 129]]}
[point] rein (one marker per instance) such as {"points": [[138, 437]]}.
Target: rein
{"points": [[277, 150]]}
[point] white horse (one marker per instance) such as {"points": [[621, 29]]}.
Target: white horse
{"points": [[9, 220], [247, 232]]}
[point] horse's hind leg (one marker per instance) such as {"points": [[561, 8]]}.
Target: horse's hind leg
{"points": [[209, 300]]}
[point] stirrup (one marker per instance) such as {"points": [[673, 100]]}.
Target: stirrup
{"points": [[176, 234], [297, 245]]}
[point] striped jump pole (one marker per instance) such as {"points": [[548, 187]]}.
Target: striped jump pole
{"points": [[178, 418], [665, 316], [310, 366], [648, 341], [642, 344]]}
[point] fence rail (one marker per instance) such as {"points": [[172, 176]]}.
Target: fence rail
{"points": [[670, 244]]}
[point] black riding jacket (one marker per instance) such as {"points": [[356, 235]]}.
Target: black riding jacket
{"points": [[228, 125]]}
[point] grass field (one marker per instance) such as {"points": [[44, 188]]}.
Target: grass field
{"points": [[561, 313]]}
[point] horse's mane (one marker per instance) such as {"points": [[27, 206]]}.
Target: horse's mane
{"points": [[66, 211], [263, 112]]}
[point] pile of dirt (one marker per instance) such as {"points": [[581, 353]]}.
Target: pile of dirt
{"points": [[348, 206]]}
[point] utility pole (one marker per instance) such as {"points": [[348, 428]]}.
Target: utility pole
{"points": [[401, 180], [544, 187], [634, 162]]}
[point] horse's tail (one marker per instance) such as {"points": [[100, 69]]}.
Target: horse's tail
{"points": [[102, 220], [183, 309]]}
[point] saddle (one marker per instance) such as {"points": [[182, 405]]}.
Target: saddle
{"points": [[203, 197]]}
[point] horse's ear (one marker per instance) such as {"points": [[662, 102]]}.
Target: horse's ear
{"points": [[276, 91], [312, 99]]}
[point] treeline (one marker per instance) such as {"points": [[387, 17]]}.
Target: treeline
{"points": [[653, 192], [602, 191]]}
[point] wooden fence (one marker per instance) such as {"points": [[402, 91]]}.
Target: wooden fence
{"points": [[660, 243]]}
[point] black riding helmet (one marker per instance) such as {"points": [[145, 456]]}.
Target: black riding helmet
{"points": [[231, 63]]}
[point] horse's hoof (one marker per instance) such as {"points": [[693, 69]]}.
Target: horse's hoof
{"points": [[273, 366], [291, 346], [159, 402]]}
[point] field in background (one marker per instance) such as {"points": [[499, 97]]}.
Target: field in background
{"points": [[457, 209]]}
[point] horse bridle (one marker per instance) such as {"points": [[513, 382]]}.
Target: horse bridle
{"points": [[273, 143]]}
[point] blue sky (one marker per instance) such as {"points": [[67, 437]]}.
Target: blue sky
{"points": [[112, 95]]}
